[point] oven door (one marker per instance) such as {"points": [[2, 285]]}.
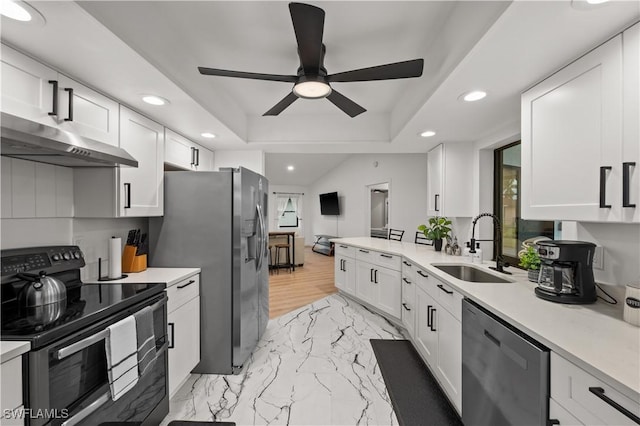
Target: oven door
{"points": [[68, 381]]}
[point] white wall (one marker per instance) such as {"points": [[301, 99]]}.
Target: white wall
{"points": [[407, 177], [252, 160], [305, 223]]}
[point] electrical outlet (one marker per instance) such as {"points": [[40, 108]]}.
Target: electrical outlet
{"points": [[598, 258]]}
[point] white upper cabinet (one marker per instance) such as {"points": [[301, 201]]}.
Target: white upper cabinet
{"points": [[36, 92], [141, 189], [183, 154], [577, 135], [26, 91], [126, 191], [631, 124], [86, 112], [449, 178]]}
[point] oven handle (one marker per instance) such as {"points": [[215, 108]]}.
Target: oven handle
{"points": [[99, 402], [101, 335]]}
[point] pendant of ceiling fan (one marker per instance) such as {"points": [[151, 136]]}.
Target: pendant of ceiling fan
{"points": [[312, 80]]}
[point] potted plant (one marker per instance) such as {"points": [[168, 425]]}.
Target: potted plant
{"points": [[437, 228], [530, 261]]}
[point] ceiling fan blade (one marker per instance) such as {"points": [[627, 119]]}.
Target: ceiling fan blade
{"points": [[405, 69], [251, 75], [308, 24], [280, 106], [345, 104]]}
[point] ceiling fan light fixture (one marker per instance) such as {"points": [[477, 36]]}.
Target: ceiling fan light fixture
{"points": [[312, 89]]}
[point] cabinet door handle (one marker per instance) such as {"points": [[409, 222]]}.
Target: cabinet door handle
{"points": [[187, 284], [127, 195], [404, 305], [437, 197], [344, 246], [441, 287], [193, 156], [371, 275], [553, 422], [70, 115], [54, 106], [375, 276], [599, 392], [626, 183], [603, 187], [364, 251], [433, 324], [423, 274], [429, 316], [197, 156], [388, 256], [406, 281], [171, 328]]}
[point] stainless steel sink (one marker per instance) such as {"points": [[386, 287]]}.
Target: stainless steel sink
{"points": [[471, 273]]}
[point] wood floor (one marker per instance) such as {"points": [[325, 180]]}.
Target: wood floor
{"points": [[311, 282]]}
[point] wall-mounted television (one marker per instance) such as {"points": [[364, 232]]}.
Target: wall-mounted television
{"points": [[329, 204]]}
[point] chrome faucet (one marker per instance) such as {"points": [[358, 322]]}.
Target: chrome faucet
{"points": [[500, 263]]}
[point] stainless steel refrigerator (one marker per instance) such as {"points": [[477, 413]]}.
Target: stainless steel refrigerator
{"points": [[217, 221]]}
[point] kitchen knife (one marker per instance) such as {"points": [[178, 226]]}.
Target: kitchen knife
{"points": [[143, 246], [130, 237]]}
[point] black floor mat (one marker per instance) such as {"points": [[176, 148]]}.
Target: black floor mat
{"points": [[416, 396]]}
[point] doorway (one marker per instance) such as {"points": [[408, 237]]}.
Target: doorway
{"points": [[379, 210]]}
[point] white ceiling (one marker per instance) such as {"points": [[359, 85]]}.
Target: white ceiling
{"points": [[127, 48]]}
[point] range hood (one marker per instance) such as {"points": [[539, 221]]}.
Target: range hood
{"points": [[29, 140]]}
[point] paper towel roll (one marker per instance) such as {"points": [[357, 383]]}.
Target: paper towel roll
{"points": [[115, 257]]}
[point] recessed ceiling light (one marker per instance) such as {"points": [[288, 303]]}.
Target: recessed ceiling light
{"points": [[290, 168], [20, 11], [428, 133], [475, 95], [154, 100], [596, 1], [208, 135]]}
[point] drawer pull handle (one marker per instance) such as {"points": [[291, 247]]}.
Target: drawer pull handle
{"points": [[364, 251], [441, 287], [406, 281], [388, 256], [344, 246], [187, 284], [54, 109], [599, 392], [603, 187], [404, 305], [406, 263], [423, 274], [626, 184]]}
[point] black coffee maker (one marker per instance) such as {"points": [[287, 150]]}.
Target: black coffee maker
{"points": [[566, 271]]}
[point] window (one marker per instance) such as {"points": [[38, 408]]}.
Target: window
{"points": [[288, 211], [507, 204]]}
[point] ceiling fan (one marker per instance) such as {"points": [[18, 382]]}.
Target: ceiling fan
{"points": [[311, 80]]}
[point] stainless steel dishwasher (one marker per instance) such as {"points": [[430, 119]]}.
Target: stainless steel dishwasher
{"points": [[505, 373]]}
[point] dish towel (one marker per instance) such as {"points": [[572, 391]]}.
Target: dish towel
{"points": [[146, 339], [122, 359]]}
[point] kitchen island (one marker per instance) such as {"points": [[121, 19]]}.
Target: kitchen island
{"points": [[593, 337]]}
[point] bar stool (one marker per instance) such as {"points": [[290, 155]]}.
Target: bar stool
{"points": [[279, 247], [271, 264]]}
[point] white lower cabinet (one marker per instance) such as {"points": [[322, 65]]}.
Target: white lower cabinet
{"points": [[560, 415], [11, 387], [438, 335], [379, 286], [183, 318], [345, 274], [587, 399]]}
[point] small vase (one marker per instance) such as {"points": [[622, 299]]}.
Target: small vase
{"points": [[532, 274], [438, 244]]}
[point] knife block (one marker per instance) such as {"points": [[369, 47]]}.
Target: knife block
{"points": [[132, 262]]}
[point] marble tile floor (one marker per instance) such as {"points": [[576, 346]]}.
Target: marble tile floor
{"points": [[313, 366]]}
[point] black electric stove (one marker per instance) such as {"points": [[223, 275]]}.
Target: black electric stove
{"points": [[85, 304]]}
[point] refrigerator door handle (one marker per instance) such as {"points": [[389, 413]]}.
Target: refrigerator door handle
{"points": [[261, 249]]}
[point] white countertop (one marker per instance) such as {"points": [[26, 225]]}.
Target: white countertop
{"points": [[594, 336], [170, 276], [10, 350]]}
